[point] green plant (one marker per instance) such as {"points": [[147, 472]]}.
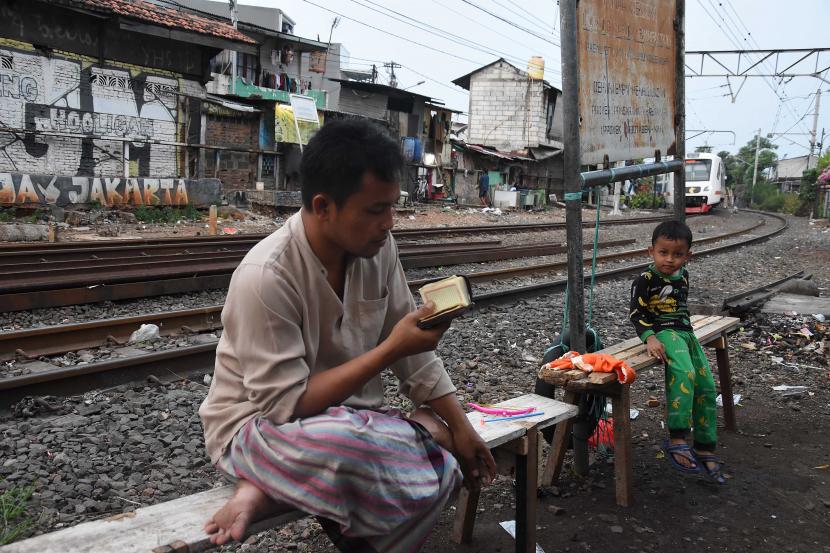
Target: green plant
{"points": [[35, 217], [646, 200], [166, 214], [12, 508], [7, 214], [791, 204]]}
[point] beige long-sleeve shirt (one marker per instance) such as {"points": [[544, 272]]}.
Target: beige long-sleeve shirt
{"points": [[283, 323]]}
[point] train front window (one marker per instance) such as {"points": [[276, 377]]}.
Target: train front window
{"points": [[698, 169]]}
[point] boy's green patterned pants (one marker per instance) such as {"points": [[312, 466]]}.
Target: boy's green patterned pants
{"points": [[690, 388]]}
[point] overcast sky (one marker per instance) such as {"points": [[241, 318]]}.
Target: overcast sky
{"points": [[772, 24]]}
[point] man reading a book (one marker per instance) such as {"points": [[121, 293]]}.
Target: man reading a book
{"points": [[314, 313]]}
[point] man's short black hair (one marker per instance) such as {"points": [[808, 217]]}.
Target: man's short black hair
{"points": [[341, 153], [672, 230]]}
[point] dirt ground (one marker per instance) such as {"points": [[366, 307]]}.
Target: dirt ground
{"points": [[778, 494]]}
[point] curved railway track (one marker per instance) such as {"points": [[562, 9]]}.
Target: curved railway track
{"points": [[43, 379], [54, 275]]}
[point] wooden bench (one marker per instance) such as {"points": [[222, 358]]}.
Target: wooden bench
{"points": [[176, 526], [710, 331]]}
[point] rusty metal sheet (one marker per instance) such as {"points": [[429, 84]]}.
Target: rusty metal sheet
{"points": [[626, 78]]}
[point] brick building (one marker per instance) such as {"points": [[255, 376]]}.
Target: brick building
{"points": [[224, 125], [104, 88], [514, 131]]}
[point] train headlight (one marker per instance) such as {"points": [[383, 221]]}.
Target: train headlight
{"points": [[706, 189]]}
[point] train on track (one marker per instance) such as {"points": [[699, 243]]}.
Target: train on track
{"points": [[705, 182]]}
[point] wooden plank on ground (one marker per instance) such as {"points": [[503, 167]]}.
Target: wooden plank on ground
{"points": [[498, 433], [145, 529]]}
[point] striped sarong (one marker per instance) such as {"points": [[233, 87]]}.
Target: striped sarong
{"points": [[376, 480]]}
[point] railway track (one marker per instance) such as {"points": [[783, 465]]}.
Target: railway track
{"points": [[32, 285], [11, 253], [42, 379]]}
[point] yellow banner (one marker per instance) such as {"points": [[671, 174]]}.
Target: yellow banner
{"points": [[284, 129]]}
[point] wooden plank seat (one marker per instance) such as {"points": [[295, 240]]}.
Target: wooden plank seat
{"points": [[711, 331], [176, 526]]}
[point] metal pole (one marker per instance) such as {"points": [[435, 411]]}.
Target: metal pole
{"points": [[235, 21], [755, 171], [815, 129], [680, 109], [573, 183]]}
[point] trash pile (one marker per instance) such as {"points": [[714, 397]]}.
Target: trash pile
{"points": [[801, 341]]}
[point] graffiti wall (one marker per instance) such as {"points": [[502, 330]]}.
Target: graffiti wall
{"points": [[59, 96], [26, 189]]}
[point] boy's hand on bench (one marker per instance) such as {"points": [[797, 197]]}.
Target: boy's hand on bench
{"points": [[655, 348], [408, 339]]}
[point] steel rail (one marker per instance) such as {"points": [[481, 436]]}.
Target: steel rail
{"points": [[511, 272], [65, 381], [58, 339], [36, 286], [533, 290], [514, 252], [40, 248], [183, 362], [96, 252], [23, 266]]}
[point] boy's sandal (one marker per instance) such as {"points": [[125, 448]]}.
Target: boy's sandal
{"points": [[681, 450], [714, 473]]}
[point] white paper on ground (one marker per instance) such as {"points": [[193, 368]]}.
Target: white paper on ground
{"points": [[510, 527], [787, 388], [736, 399]]}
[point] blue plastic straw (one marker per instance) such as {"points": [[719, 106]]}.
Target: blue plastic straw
{"points": [[534, 414]]}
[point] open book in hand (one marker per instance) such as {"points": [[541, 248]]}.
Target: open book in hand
{"points": [[452, 298]]}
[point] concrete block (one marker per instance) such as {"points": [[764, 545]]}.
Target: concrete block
{"points": [[23, 232]]}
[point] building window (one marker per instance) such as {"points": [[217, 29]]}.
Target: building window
{"points": [[6, 62], [551, 109], [268, 163], [246, 67]]}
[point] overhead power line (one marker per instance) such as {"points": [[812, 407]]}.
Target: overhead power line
{"points": [[533, 15], [509, 22], [456, 56], [436, 31], [737, 43], [533, 19]]}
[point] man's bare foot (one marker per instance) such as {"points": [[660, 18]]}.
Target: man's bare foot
{"points": [[247, 505]]}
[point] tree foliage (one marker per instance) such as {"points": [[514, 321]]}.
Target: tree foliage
{"points": [[740, 166], [824, 161]]}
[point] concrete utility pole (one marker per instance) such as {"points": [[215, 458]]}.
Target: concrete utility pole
{"points": [[573, 183], [234, 7], [755, 171], [815, 130]]}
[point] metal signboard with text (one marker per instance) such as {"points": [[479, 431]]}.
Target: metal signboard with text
{"points": [[627, 74]]}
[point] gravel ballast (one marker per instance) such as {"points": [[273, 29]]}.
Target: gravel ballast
{"points": [[115, 450]]}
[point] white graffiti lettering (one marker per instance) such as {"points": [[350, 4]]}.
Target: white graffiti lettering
{"points": [[19, 189]]}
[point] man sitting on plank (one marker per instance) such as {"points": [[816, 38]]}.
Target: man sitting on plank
{"points": [[314, 313]]}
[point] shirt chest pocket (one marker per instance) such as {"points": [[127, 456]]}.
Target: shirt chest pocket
{"points": [[371, 317]]}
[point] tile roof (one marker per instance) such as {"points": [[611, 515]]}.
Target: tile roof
{"points": [[166, 17]]}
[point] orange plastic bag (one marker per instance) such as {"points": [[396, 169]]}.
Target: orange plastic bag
{"points": [[594, 362]]}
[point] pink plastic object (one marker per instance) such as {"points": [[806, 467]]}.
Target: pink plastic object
{"points": [[504, 411]]}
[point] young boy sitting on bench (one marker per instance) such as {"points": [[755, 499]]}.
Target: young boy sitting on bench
{"points": [[661, 319], [314, 313]]}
